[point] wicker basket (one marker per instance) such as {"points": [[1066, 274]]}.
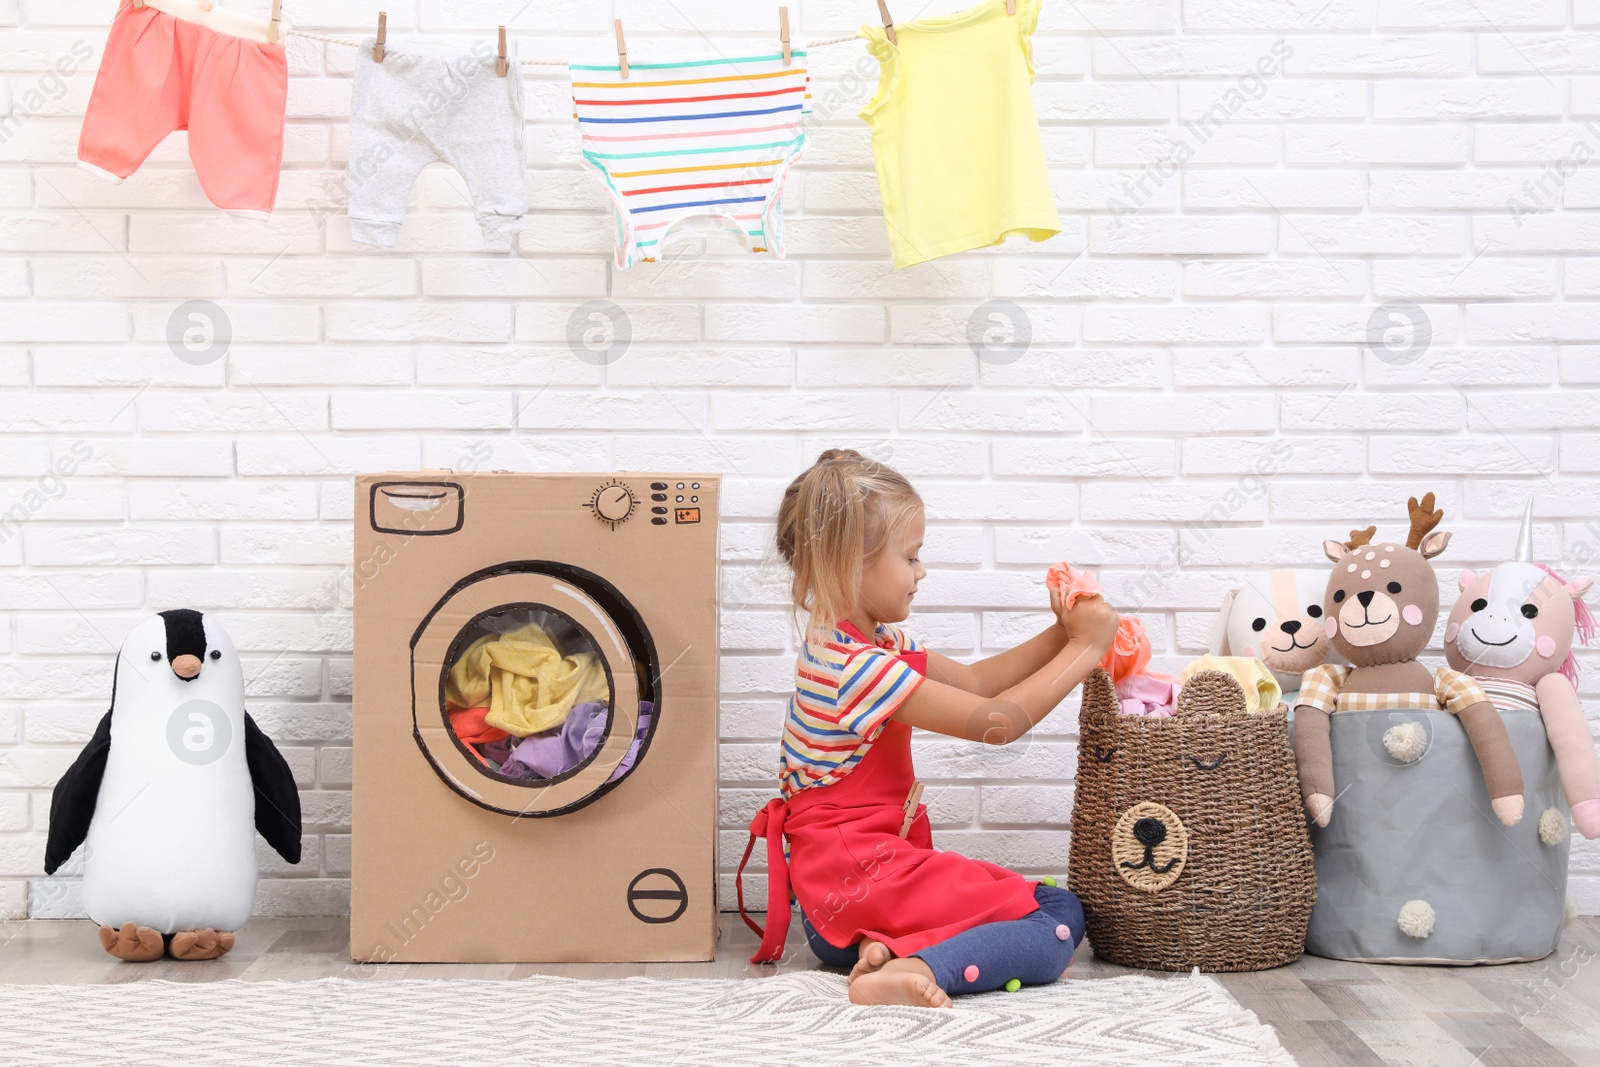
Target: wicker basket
{"points": [[1189, 843]]}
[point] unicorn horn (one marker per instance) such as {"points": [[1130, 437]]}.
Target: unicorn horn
{"points": [[1524, 552]]}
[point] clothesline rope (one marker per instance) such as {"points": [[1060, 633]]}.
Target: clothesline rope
{"points": [[353, 43]]}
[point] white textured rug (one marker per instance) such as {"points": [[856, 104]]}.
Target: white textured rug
{"points": [[800, 1019]]}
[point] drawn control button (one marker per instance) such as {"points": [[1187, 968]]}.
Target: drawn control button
{"points": [[652, 893]]}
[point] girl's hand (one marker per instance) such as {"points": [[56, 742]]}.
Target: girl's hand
{"points": [[1091, 621]]}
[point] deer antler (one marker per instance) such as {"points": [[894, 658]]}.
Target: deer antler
{"points": [[1360, 537], [1423, 519]]}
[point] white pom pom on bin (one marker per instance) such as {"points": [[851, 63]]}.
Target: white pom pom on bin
{"points": [[1416, 918], [1552, 827], [1406, 742]]}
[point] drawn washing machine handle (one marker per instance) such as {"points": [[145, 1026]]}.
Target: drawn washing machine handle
{"points": [[417, 509]]}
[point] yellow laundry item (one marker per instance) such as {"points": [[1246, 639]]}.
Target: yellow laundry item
{"points": [[955, 135], [524, 679], [1261, 691]]}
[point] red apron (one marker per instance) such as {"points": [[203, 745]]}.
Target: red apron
{"points": [[855, 876]]}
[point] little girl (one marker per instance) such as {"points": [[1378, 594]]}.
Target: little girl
{"points": [[916, 924]]}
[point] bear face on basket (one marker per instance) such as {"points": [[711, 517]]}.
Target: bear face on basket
{"points": [[1189, 848]]}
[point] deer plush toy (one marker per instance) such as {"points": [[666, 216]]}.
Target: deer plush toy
{"points": [[1512, 630], [1379, 609]]}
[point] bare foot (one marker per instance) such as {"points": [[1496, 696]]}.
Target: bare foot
{"points": [[200, 944], [874, 954], [136, 944], [900, 981]]}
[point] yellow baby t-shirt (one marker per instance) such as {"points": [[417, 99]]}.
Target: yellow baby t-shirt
{"points": [[954, 133], [1260, 685]]}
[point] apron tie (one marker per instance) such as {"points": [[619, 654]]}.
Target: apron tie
{"points": [[768, 823]]}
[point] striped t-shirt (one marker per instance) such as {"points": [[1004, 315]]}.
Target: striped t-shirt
{"points": [[710, 137], [1508, 694], [844, 692]]}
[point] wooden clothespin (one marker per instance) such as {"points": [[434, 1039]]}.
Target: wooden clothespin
{"points": [[277, 16], [783, 33], [383, 35], [500, 64], [910, 810], [138, 4], [888, 22], [622, 50]]}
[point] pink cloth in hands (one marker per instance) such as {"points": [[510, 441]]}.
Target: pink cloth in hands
{"points": [[1072, 583], [1138, 693]]}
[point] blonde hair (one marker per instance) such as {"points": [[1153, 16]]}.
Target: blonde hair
{"points": [[836, 517]]}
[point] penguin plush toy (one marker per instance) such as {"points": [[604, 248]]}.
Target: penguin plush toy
{"points": [[169, 795]]}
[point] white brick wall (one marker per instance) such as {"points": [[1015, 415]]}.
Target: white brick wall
{"points": [[1191, 327]]}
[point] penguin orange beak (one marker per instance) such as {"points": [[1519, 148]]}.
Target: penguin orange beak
{"points": [[186, 667]]}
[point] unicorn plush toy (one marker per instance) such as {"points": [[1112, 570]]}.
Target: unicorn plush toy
{"points": [[1512, 629]]}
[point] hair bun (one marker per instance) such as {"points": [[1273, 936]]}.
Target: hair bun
{"points": [[838, 453]]}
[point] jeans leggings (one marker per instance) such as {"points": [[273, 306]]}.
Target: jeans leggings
{"points": [[1034, 949]]}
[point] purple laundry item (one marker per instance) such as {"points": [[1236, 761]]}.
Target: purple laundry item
{"points": [[496, 752], [554, 752], [547, 754], [512, 769], [1144, 694]]}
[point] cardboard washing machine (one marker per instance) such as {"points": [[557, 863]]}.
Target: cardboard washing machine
{"points": [[574, 616]]}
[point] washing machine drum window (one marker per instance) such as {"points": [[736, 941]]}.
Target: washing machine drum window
{"points": [[544, 702]]}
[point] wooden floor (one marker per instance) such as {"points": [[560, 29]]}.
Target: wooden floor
{"points": [[1327, 1013]]}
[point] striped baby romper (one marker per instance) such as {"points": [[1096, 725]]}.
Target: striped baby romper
{"points": [[709, 139]]}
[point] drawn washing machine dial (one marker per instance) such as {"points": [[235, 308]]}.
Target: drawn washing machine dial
{"points": [[613, 503]]}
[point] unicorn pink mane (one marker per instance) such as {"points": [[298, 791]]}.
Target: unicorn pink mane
{"points": [[1583, 625]]}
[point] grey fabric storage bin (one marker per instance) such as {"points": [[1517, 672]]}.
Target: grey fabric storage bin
{"points": [[1425, 831]]}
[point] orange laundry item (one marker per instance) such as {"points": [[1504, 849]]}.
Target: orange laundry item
{"points": [[161, 74], [1073, 583], [1129, 652], [470, 727]]}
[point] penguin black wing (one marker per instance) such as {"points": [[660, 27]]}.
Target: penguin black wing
{"points": [[72, 803], [277, 798]]}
